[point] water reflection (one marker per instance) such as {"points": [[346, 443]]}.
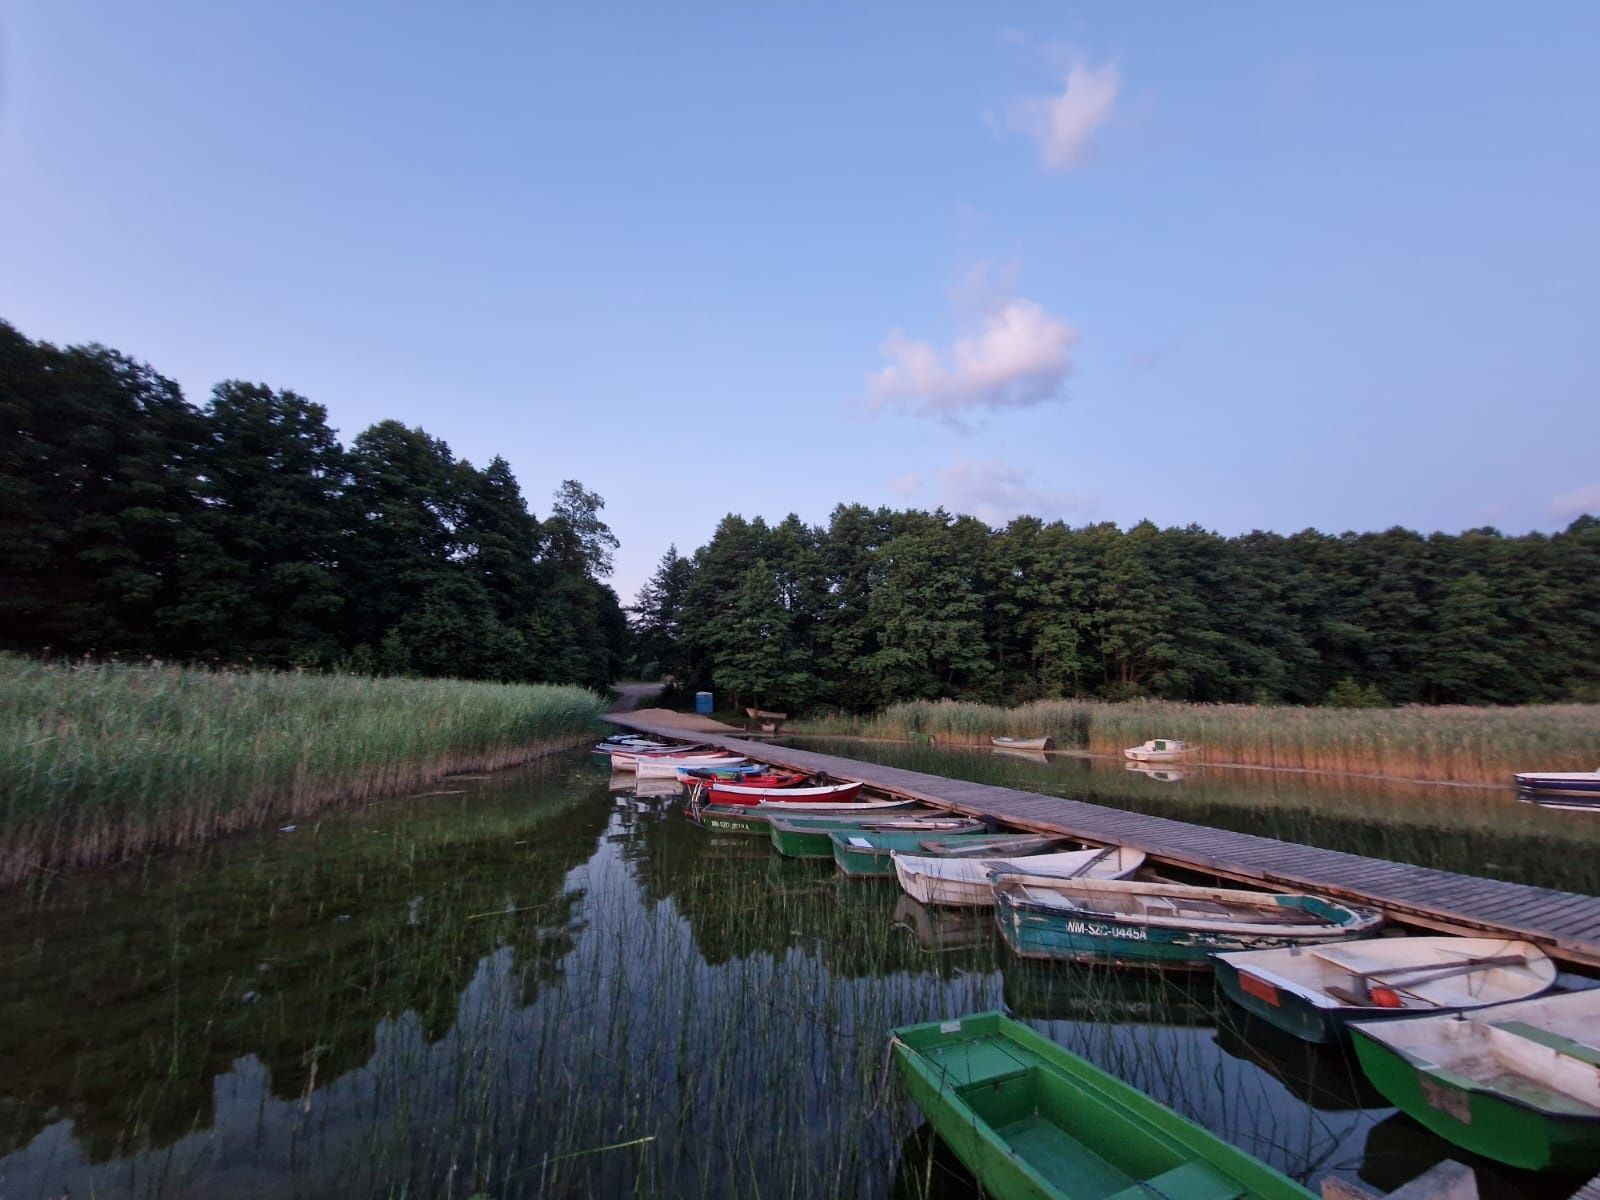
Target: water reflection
{"points": [[530, 989], [1473, 830]]}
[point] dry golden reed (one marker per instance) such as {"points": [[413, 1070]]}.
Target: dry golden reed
{"points": [[1458, 744]]}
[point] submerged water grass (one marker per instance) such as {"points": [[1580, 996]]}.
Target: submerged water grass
{"points": [[101, 762], [533, 992], [1459, 744]]}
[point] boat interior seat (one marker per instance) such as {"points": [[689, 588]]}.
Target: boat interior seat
{"points": [[1190, 1181], [1559, 1042], [977, 1061]]}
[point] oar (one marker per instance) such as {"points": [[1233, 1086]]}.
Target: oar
{"points": [[1093, 862], [1468, 964], [1426, 973]]}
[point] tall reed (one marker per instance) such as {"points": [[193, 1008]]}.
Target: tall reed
{"points": [[101, 762], [1456, 744]]}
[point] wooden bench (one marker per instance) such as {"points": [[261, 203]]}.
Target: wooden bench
{"points": [[767, 722]]}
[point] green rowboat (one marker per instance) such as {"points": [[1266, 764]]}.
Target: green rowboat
{"points": [[1519, 1083], [1031, 1120], [810, 837], [866, 853], [755, 819]]}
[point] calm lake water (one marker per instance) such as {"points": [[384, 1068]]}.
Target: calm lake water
{"points": [[529, 985]]}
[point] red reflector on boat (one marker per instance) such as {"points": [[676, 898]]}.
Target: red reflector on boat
{"points": [[1258, 988], [1383, 997]]}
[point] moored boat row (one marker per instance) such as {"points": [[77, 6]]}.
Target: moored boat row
{"points": [[1465, 1034]]}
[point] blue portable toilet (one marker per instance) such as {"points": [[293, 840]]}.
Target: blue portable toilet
{"points": [[702, 703]]}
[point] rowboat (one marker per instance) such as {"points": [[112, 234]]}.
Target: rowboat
{"points": [[1574, 791], [1519, 1083], [865, 853], [1315, 993], [811, 837], [1583, 784], [1011, 743], [1158, 750], [753, 818], [628, 760], [1032, 1120], [759, 777], [668, 768], [735, 793], [1161, 924], [964, 882]]}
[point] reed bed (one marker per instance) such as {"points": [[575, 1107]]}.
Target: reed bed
{"points": [[102, 762], [1449, 744]]}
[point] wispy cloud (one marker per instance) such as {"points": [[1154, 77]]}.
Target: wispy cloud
{"points": [[1064, 124], [1579, 500], [994, 491], [906, 486], [1016, 355]]}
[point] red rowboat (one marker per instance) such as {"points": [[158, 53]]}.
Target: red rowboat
{"points": [[742, 793]]}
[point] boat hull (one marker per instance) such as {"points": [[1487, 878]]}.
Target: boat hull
{"points": [[736, 794], [1031, 1120], [1579, 784], [869, 855], [1289, 1011], [964, 882], [1483, 1122], [1035, 930], [1313, 996], [1005, 743], [814, 839]]}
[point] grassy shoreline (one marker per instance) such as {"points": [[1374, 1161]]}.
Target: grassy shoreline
{"points": [[100, 763], [1447, 744]]}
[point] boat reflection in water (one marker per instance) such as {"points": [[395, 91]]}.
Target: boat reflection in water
{"points": [[1037, 756], [1160, 774], [1123, 995], [930, 1170], [1326, 1077], [942, 930], [1398, 1150]]}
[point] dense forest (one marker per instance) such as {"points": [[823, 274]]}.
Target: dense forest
{"points": [[881, 606], [134, 523]]}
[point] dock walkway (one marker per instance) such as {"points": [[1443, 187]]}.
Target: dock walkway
{"points": [[1566, 925]]}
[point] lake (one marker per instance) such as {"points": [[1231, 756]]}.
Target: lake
{"points": [[530, 985]]}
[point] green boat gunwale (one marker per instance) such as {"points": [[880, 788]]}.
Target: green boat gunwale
{"points": [[1464, 1083], [1167, 1129]]}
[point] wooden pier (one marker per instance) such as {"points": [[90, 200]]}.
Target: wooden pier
{"points": [[1564, 924]]}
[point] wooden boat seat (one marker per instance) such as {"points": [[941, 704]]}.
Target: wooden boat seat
{"points": [[1559, 1042], [1190, 1181]]}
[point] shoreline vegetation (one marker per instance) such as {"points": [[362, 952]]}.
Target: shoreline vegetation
{"points": [[1454, 744], [100, 763]]}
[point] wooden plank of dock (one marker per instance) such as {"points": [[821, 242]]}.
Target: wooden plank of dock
{"points": [[1565, 924]]}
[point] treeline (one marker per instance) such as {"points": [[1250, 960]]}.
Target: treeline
{"points": [[881, 606], [133, 523]]}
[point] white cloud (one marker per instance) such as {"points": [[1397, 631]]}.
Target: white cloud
{"points": [[1064, 124], [1580, 500], [906, 486], [994, 492], [1019, 356]]}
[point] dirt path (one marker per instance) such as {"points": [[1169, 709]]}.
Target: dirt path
{"points": [[631, 695]]}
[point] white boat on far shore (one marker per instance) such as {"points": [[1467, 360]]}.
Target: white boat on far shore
{"points": [[1158, 750]]}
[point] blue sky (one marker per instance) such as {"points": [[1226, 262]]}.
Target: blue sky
{"points": [[1249, 266]]}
